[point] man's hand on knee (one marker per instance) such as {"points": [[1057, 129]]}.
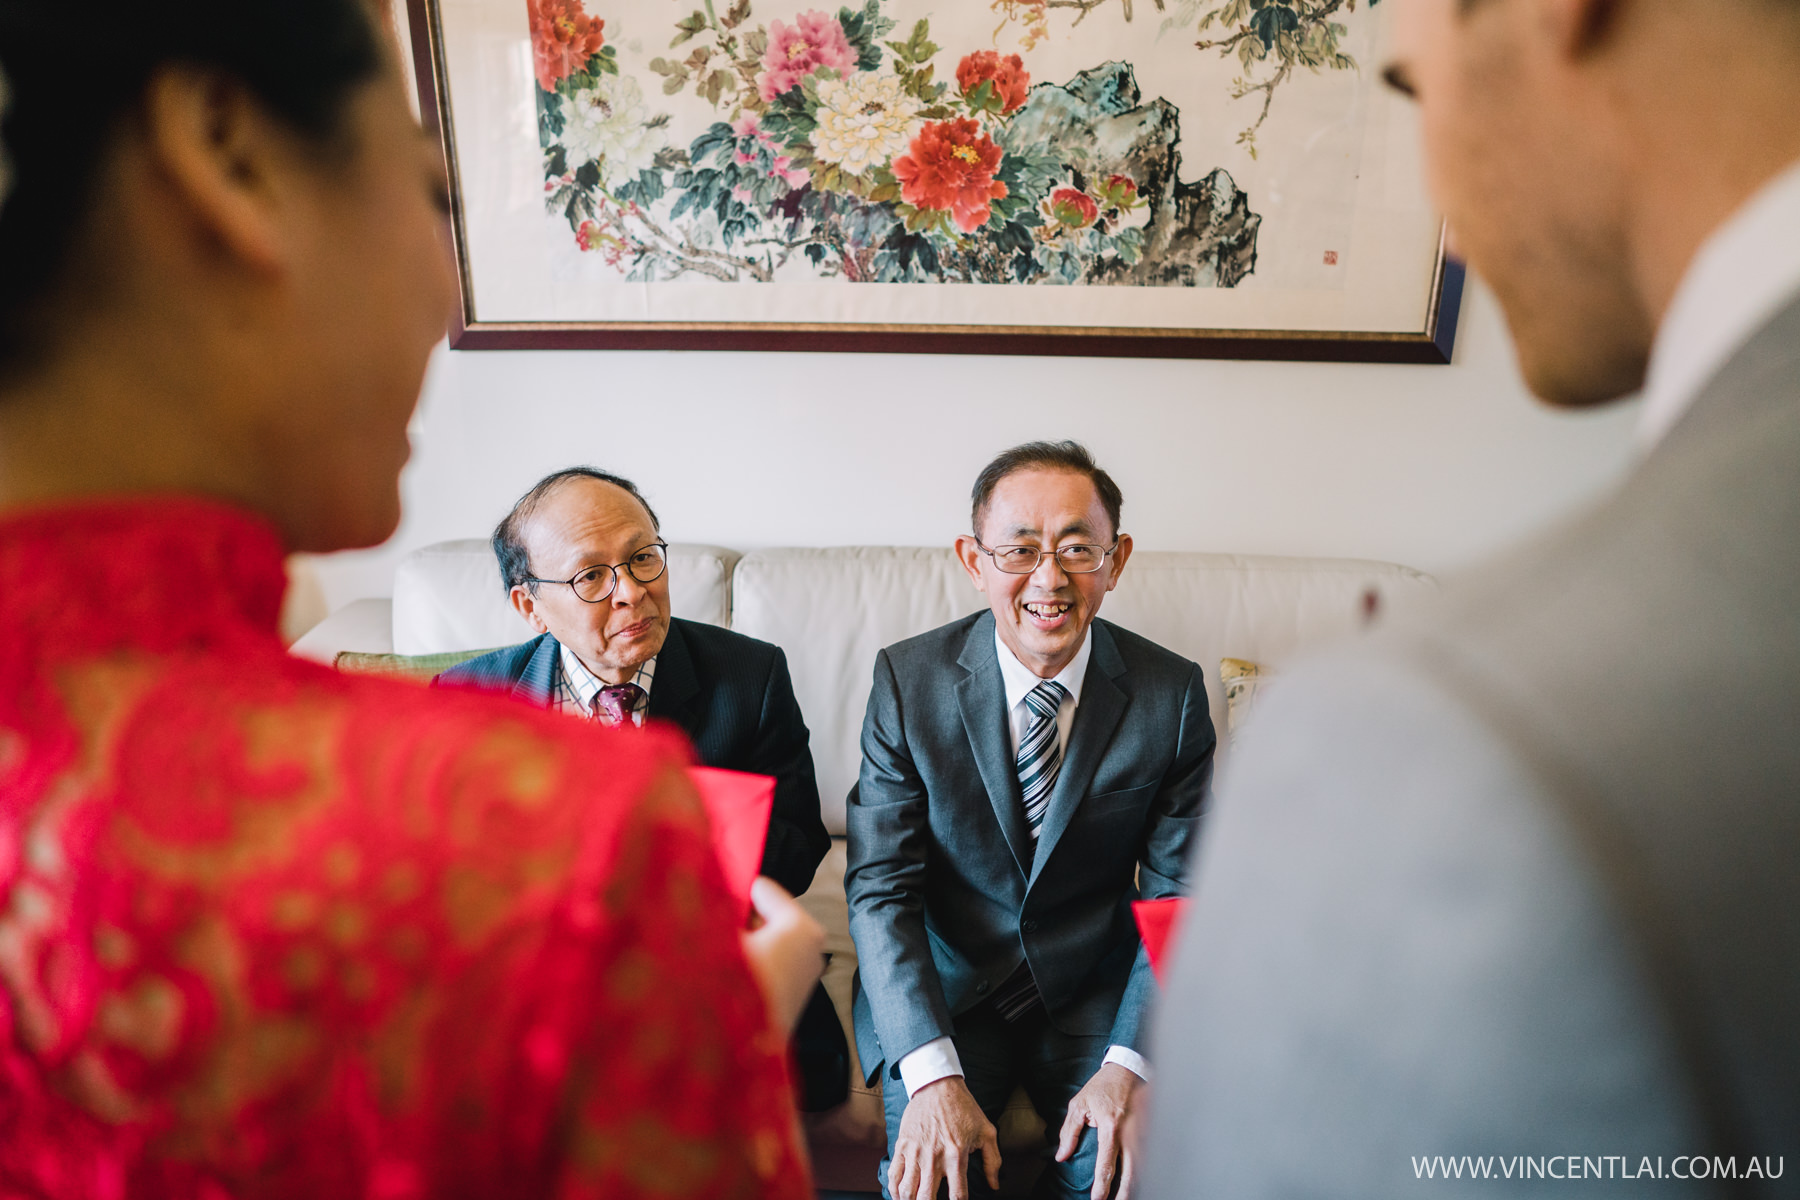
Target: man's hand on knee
{"points": [[941, 1128], [1106, 1102]]}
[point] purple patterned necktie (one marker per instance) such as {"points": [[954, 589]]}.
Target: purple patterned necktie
{"points": [[614, 704]]}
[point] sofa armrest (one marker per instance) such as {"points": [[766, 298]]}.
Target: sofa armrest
{"points": [[362, 625]]}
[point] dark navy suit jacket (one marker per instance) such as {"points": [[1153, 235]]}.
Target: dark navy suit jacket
{"points": [[731, 695]]}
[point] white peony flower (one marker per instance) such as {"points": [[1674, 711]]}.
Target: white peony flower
{"points": [[863, 121], [608, 121]]}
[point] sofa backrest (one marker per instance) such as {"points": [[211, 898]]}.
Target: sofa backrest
{"points": [[831, 610], [447, 596]]}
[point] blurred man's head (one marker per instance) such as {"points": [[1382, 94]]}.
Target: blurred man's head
{"points": [[264, 339], [582, 561], [1046, 548], [1582, 150]]}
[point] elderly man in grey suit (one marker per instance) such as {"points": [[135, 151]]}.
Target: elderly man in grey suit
{"points": [[1027, 773], [1515, 896]]}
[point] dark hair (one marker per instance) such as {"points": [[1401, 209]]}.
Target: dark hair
{"points": [[302, 59], [509, 534], [1051, 456]]}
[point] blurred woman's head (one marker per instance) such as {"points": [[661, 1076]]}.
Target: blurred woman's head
{"points": [[222, 260]]}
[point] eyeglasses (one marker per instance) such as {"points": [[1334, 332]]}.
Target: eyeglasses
{"points": [[1023, 560], [594, 584]]}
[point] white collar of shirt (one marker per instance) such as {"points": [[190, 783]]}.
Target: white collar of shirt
{"points": [[1019, 679], [583, 686], [1744, 274]]}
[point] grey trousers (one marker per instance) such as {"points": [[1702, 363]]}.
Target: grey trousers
{"points": [[999, 1056]]}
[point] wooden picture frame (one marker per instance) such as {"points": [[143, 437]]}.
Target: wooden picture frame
{"points": [[611, 191]]}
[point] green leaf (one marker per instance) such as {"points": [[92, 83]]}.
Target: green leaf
{"points": [[984, 98], [688, 26], [736, 15]]}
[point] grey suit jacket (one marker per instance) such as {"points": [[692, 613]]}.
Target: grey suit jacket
{"points": [[1525, 881], [948, 893]]}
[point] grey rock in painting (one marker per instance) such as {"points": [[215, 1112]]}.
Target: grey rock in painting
{"points": [[1199, 234]]}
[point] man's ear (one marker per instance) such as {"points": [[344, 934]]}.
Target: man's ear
{"points": [[1582, 27], [226, 159], [525, 604], [1119, 556], [969, 555]]}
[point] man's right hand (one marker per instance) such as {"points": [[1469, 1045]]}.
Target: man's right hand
{"points": [[941, 1127]]}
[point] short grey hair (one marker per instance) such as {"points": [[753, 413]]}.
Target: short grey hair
{"points": [[509, 536]]}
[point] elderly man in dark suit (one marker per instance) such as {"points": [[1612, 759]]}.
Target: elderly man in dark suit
{"points": [[1027, 773], [583, 561]]}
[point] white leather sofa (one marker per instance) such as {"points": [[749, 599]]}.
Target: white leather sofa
{"points": [[831, 610]]}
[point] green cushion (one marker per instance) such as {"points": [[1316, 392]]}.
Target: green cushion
{"points": [[421, 667]]}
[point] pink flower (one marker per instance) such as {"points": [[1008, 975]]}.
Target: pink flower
{"points": [[782, 167], [796, 177], [589, 236], [812, 42]]}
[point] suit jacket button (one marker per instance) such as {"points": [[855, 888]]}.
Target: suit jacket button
{"points": [[1028, 926], [981, 988]]}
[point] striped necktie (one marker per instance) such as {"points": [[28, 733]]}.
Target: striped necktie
{"points": [[1040, 757]]}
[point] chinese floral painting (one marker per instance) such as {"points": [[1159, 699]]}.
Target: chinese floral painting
{"points": [[1142, 174], [848, 147]]}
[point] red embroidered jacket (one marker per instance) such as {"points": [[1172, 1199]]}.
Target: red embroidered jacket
{"points": [[270, 930]]}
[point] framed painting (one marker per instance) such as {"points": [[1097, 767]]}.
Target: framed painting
{"points": [[1178, 178]]}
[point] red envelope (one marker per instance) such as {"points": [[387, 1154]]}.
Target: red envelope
{"points": [[738, 804], [1157, 921]]}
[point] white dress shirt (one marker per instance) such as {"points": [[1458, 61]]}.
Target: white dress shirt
{"points": [[1745, 273], [937, 1059], [576, 687]]}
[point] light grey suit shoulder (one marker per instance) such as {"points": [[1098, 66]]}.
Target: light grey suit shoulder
{"points": [[1525, 881]]}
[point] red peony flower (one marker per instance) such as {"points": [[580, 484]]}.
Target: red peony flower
{"points": [[1008, 75], [950, 168], [1073, 208], [563, 38], [1119, 191]]}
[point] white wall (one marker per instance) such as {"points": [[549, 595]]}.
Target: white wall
{"points": [[1428, 466]]}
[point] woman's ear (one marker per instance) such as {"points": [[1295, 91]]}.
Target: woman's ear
{"points": [[228, 164]]}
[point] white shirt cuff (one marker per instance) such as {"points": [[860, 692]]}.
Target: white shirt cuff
{"points": [[1128, 1058], [931, 1062]]}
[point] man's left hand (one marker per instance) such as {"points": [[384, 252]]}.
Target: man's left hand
{"points": [[1106, 1101]]}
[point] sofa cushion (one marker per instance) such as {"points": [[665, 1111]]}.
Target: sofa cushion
{"points": [[1242, 680], [419, 668], [448, 597], [831, 610]]}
